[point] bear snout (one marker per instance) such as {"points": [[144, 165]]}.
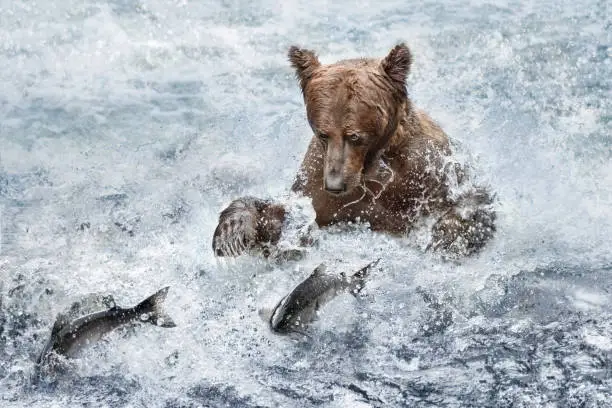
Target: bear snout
{"points": [[334, 182]]}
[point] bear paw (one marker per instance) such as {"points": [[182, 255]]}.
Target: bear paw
{"points": [[248, 223], [237, 228], [457, 235]]}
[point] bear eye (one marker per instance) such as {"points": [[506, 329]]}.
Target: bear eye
{"points": [[323, 137], [354, 138]]}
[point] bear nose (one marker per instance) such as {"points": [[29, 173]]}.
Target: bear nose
{"points": [[335, 188], [334, 181]]}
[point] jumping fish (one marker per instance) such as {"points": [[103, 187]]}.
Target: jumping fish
{"points": [[69, 337], [300, 307]]}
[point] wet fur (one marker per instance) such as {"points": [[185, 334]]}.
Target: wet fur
{"points": [[367, 97]]}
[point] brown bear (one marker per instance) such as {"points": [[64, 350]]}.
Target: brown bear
{"points": [[374, 157]]}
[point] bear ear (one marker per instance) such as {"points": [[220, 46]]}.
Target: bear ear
{"points": [[397, 65], [305, 62]]}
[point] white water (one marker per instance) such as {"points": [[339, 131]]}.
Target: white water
{"points": [[125, 127]]}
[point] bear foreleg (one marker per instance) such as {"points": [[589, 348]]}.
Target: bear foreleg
{"points": [[466, 228]]}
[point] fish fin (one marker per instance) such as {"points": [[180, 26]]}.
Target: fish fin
{"points": [[61, 321], [319, 270], [358, 279], [317, 306], [153, 306], [109, 301], [302, 332], [75, 307], [90, 303]]}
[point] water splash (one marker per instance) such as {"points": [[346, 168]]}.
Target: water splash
{"points": [[126, 127]]}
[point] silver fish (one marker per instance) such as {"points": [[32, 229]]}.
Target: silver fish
{"points": [[69, 337], [300, 307]]}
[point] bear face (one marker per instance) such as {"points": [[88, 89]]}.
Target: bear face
{"points": [[353, 107]]}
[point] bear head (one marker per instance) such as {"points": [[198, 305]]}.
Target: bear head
{"points": [[353, 107]]}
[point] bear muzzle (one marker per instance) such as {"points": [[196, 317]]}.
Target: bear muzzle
{"points": [[334, 182], [335, 188]]}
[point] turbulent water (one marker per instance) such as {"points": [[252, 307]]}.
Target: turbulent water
{"points": [[126, 126]]}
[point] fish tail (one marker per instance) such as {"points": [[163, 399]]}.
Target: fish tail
{"points": [[153, 307], [357, 281]]}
